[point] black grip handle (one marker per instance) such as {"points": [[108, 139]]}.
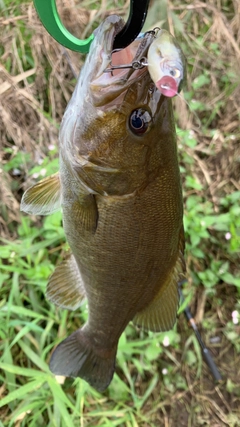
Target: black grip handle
{"points": [[214, 370], [134, 24]]}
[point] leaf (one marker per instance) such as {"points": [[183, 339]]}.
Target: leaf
{"points": [[59, 395], [33, 356], [23, 410], [10, 376], [200, 81], [198, 253], [195, 239], [24, 331], [22, 311], [22, 391], [152, 385], [230, 279], [26, 372], [67, 419]]}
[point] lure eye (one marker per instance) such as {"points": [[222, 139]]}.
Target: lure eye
{"points": [[139, 121], [175, 72]]}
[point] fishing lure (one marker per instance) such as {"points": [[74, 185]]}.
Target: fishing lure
{"points": [[166, 64]]}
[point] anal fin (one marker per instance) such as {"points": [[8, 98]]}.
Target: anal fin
{"points": [[65, 287], [160, 314]]}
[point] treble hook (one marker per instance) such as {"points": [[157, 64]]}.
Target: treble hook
{"points": [[135, 65], [48, 14]]}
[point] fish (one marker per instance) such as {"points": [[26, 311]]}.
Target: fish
{"points": [[119, 190], [167, 64]]}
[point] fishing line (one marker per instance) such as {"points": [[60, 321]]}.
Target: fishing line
{"points": [[69, 61], [198, 125]]}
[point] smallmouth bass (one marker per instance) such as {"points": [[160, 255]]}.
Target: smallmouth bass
{"points": [[119, 189]]}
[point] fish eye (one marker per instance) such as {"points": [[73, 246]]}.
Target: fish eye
{"points": [[175, 72], [139, 121]]}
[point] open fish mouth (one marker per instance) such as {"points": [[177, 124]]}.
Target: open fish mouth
{"points": [[116, 70]]}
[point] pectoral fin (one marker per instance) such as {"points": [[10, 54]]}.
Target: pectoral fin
{"points": [[85, 212], [43, 198], [65, 287]]}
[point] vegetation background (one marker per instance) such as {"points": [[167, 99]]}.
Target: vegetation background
{"points": [[161, 379]]}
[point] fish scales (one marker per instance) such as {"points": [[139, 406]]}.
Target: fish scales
{"points": [[120, 193]]}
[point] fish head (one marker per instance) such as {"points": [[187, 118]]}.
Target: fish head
{"points": [[167, 64], [111, 129]]}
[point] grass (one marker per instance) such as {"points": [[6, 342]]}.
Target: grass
{"points": [[160, 379]]}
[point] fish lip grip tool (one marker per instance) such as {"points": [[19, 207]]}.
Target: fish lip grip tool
{"points": [[48, 14], [134, 24]]}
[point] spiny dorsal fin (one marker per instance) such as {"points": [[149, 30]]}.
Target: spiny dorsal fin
{"points": [[43, 198], [65, 287]]}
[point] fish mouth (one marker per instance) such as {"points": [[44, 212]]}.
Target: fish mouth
{"points": [[108, 82]]}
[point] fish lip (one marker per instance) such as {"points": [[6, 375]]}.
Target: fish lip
{"points": [[111, 27]]}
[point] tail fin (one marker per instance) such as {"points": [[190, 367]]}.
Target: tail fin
{"points": [[76, 356]]}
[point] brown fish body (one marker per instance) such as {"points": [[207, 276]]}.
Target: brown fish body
{"points": [[135, 245], [122, 215]]}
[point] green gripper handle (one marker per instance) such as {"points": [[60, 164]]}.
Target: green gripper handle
{"points": [[48, 14]]}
